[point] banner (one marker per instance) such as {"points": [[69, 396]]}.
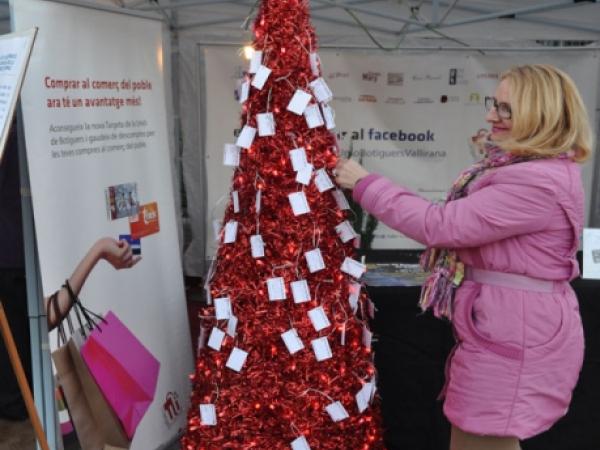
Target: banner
{"points": [[408, 117], [97, 145]]}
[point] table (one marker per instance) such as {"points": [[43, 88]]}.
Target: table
{"points": [[410, 354]]}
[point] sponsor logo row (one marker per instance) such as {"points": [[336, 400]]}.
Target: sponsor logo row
{"points": [[473, 98], [455, 76]]}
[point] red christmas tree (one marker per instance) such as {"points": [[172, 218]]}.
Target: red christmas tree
{"points": [[288, 362]]}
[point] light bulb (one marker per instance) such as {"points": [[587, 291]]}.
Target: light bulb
{"points": [[248, 52]]}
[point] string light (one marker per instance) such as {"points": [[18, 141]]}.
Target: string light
{"points": [[266, 395], [248, 52]]}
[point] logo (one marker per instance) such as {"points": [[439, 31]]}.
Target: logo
{"points": [[423, 100], [475, 97], [488, 76], [171, 407], [371, 76], [426, 77], [449, 98], [146, 222], [367, 98], [395, 78], [342, 99], [334, 75], [452, 77], [456, 76], [395, 101]]}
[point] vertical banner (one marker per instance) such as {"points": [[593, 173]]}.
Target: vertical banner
{"points": [[97, 147], [408, 117]]}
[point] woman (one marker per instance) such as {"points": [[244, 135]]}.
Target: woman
{"points": [[507, 236]]}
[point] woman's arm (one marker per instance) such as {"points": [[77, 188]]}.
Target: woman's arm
{"points": [[516, 204], [116, 253]]}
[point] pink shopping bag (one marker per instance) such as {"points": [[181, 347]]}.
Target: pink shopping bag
{"points": [[125, 371]]}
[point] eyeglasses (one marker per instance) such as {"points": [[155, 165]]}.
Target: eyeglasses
{"points": [[503, 109]]}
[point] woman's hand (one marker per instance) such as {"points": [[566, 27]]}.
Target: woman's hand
{"points": [[117, 253], [348, 173]]}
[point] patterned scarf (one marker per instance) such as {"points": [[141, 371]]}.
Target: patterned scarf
{"points": [[447, 272]]}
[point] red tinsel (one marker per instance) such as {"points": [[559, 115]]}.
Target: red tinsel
{"points": [[277, 397]]}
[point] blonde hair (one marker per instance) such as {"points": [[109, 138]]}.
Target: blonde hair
{"points": [[548, 115]]}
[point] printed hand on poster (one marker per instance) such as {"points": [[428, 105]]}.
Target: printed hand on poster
{"points": [[118, 254]]}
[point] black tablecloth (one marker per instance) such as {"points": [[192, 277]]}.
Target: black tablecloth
{"points": [[410, 356]]}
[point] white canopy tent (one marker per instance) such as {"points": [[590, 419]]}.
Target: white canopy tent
{"points": [[414, 26]]}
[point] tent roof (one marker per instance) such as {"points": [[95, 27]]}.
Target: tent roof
{"points": [[392, 23], [398, 22]]}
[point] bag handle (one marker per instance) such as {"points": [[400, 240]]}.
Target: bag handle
{"points": [[90, 319]]}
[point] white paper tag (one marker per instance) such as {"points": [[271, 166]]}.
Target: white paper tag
{"points": [[329, 115], [304, 175], [260, 78], [276, 287], [363, 397], [216, 339], [246, 137], [343, 335], [223, 308], [208, 295], [244, 91], [232, 325], [256, 61], [298, 158], [236, 201], [341, 199], [354, 295], [300, 291], [322, 180], [266, 124], [231, 228], [353, 268], [299, 203], [321, 91], [217, 229], [371, 308], [292, 341], [257, 246], [202, 338], [345, 231], [236, 359], [208, 414], [314, 259], [319, 318], [231, 155], [337, 412], [299, 102], [367, 337], [313, 116], [258, 201], [314, 64], [321, 348], [300, 443]]}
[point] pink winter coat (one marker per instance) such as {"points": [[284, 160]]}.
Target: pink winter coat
{"points": [[519, 351]]}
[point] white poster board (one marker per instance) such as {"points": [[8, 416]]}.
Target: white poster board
{"points": [[15, 49], [591, 253], [410, 117], [97, 147]]}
